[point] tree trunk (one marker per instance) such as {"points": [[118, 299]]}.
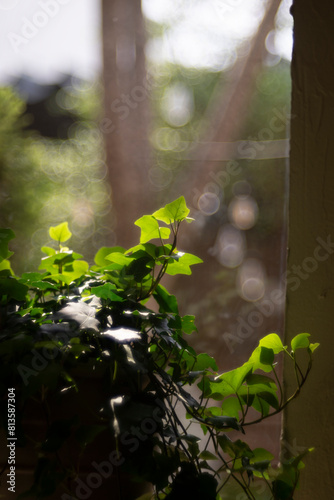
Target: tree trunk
{"points": [[125, 121]]}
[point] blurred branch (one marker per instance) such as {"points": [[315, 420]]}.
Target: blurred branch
{"points": [[224, 117]]}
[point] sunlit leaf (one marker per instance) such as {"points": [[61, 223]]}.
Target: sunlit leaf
{"points": [[61, 278], [122, 335], [150, 229], [60, 233], [300, 341], [272, 341], [230, 382], [100, 257], [177, 210], [58, 260], [181, 262], [48, 250], [77, 269], [82, 313], [5, 266], [313, 347], [254, 361], [119, 258]]}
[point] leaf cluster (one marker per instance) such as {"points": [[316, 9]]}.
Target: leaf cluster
{"points": [[167, 409]]}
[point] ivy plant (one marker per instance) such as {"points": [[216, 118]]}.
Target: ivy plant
{"points": [[168, 410]]}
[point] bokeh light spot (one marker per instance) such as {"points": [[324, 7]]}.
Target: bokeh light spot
{"points": [[243, 212], [208, 203]]}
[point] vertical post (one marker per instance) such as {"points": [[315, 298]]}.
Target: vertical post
{"points": [[310, 278], [125, 116]]}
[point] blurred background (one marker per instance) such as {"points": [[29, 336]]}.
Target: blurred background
{"points": [[109, 110]]}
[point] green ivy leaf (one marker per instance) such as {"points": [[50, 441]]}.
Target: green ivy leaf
{"points": [[166, 301], [81, 313], [272, 341], [122, 335], [267, 356], [43, 285], [261, 380], [48, 250], [254, 361], [58, 259], [188, 324], [175, 211], [313, 347], [231, 407], [192, 442], [5, 236], [150, 229], [60, 233], [204, 362], [224, 422], [34, 280], [181, 262], [300, 341], [141, 266], [16, 344], [120, 258], [260, 455], [207, 455], [77, 269], [61, 278], [71, 271], [230, 382], [234, 448], [269, 398], [11, 288], [47, 344], [28, 278], [100, 257], [107, 291], [5, 266]]}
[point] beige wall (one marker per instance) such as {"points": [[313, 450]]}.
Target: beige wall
{"points": [[310, 286]]}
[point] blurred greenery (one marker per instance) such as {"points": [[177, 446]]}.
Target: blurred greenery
{"points": [[45, 181]]}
